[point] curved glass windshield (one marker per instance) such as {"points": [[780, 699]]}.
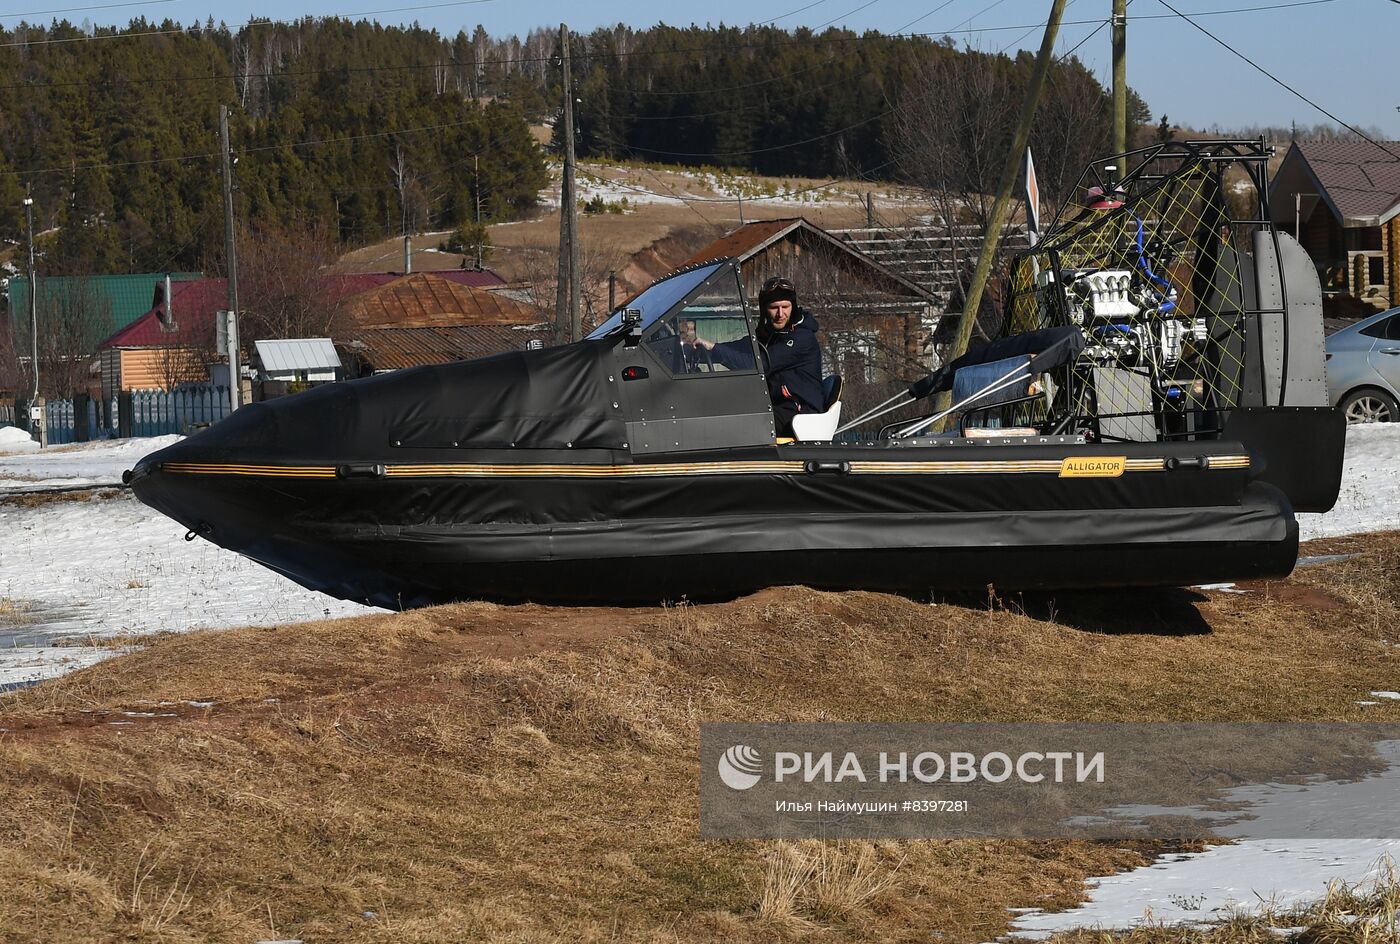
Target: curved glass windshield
{"points": [[660, 298], [707, 333]]}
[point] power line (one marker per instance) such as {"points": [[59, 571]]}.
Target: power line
{"points": [[171, 32], [817, 3], [868, 3], [100, 6], [524, 60], [939, 9], [1279, 82]]}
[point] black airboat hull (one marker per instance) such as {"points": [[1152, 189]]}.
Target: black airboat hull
{"points": [[597, 528], [548, 476]]}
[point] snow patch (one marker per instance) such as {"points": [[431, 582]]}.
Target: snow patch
{"points": [[15, 440], [1220, 883], [1370, 495]]}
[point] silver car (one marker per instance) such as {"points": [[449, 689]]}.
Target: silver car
{"points": [[1363, 369]]}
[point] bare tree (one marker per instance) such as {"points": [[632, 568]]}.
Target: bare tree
{"points": [[950, 138], [243, 67], [285, 284], [1070, 132], [415, 201], [14, 374], [74, 317], [537, 267]]}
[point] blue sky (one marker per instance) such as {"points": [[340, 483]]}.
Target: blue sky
{"points": [[1335, 52]]}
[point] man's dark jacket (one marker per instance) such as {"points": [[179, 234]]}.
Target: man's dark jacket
{"points": [[792, 360]]}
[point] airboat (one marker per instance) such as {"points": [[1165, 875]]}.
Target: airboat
{"points": [[1153, 413]]}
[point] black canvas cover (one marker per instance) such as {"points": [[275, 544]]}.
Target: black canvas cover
{"points": [[1050, 348], [556, 398]]}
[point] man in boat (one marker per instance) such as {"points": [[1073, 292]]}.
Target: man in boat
{"points": [[792, 357]]}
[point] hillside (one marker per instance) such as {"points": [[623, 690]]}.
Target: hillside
{"points": [[528, 773], [645, 219]]}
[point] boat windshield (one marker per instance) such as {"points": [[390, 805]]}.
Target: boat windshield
{"points": [[660, 298]]}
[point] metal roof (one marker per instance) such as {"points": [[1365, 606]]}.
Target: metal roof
{"points": [[297, 354], [394, 348], [124, 297], [752, 238], [1359, 181], [427, 299]]}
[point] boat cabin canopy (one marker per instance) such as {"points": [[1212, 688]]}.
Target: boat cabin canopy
{"points": [[677, 397]]}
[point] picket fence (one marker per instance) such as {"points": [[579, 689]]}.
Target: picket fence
{"points": [[152, 413]]}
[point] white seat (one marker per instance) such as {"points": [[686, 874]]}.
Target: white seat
{"points": [[817, 426]]}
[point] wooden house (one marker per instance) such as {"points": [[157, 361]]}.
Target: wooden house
{"points": [[1342, 200], [876, 325]]}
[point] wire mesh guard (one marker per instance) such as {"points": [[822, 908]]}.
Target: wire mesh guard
{"points": [[1155, 270]]}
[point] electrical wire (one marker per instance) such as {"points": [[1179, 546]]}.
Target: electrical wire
{"points": [[1282, 84], [524, 60], [170, 32], [817, 3], [100, 6]]}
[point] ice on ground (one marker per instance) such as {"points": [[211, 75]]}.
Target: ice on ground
{"points": [[1391, 695], [1223, 881]]}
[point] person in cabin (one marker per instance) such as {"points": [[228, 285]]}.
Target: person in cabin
{"points": [[792, 356]]}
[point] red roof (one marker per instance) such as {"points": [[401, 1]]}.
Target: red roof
{"points": [[745, 241], [194, 302]]}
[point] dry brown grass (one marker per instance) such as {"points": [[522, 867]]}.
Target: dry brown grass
{"points": [[41, 498], [14, 612], [528, 773]]}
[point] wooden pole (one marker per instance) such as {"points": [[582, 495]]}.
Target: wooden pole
{"points": [[231, 256], [1120, 81], [562, 319], [567, 311], [1009, 173]]}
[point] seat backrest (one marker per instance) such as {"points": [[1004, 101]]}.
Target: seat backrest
{"points": [[831, 390], [817, 426]]}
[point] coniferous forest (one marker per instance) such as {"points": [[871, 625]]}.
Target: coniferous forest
{"points": [[369, 131]]}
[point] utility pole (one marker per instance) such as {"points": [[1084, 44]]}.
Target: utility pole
{"points": [[1010, 172], [1120, 80], [568, 318], [235, 382], [33, 294], [476, 189]]}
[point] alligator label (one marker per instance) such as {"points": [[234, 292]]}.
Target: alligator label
{"points": [[1093, 467]]}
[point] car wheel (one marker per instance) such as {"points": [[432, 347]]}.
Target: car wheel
{"points": [[1370, 406]]}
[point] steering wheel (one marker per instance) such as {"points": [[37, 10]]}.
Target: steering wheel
{"points": [[709, 357]]}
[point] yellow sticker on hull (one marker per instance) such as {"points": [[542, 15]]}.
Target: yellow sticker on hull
{"points": [[1093, 467]]}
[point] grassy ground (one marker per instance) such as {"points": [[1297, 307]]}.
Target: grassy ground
{"points": [[521, 246], [529, 773]]}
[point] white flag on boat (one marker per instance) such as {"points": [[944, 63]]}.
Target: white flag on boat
{"points": [[1032, 195]]}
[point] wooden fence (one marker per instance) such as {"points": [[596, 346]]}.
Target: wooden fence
{"points": [[134, 413]]}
